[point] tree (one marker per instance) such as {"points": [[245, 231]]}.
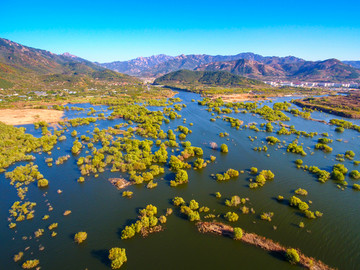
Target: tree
{"points": [[341, 168], [231, 216], [162, 219], [181, 177], [292, 256], [80, 237], [117, 257], [269, 175], [238, 233], [177, 201], [253, 170], [127, 233], [355, 174], [337, 175], [224, 148], [193, 205], [43, 183]]}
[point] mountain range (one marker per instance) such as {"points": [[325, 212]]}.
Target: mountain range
{"points": [[29, 68], [245, 64], [23, 67]]}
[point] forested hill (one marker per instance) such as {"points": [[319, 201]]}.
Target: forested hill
{"points": [[26, 67], [210, 78]]}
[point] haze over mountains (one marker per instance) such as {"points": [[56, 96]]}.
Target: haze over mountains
{"points": [[245, 64]]}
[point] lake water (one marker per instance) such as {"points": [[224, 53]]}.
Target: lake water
{"points": [[99, 209]]}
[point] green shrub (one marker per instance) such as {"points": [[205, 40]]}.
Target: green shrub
{"points": [[292, 256], [238, 233]]}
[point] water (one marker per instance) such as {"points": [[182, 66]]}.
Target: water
{"points": [[100, 210]]}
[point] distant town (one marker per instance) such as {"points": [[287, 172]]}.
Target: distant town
{"points": [[334, 86]]}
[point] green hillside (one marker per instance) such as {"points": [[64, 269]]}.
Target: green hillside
{"points": [[23, 67], [207, 78]]}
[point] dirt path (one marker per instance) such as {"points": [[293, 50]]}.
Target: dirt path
{"points": [[29, 116]]}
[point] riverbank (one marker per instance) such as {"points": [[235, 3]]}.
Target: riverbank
{"points": [[344, 106], [29, 116], [259, 241]]}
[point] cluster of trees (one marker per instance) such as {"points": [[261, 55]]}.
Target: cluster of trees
{"points": [[338, 173], [76, 148], [200, 163], [344, 124], [80, 121], [272, 140], [191, 151], [62, 159], [322, 175], [267, 216], [301, 191], [293, 147], [53, 226], [29, 264], [304, 207], [18, 256], [296, 112], [270, 114], [15, 145], [355, 174], [261, 178], [127, 193], [117, 257], [21, 211], [349, 154], [323, 147], [284, 131], [231, 216], [235, 201], [234, 122], [21, 177], [147, 220], [181, 177], [230, 173], [191, 210]]}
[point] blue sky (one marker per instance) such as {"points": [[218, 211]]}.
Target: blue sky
{"points": [[110, 30]]}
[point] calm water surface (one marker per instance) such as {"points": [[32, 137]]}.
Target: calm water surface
{"points": [[100, 210]]}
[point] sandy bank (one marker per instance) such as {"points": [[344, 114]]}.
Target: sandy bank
{"points": [[29, 116]]}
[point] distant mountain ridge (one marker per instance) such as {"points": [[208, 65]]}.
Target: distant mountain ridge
{"points": [[165, 64], [245, 64], [138, 65], [331, 70], [355, 64], [26, 67]]}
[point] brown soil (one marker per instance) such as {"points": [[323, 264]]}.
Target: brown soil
{"points": [[29, 116], [146, 231], [259, 241], [119, 183]]}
